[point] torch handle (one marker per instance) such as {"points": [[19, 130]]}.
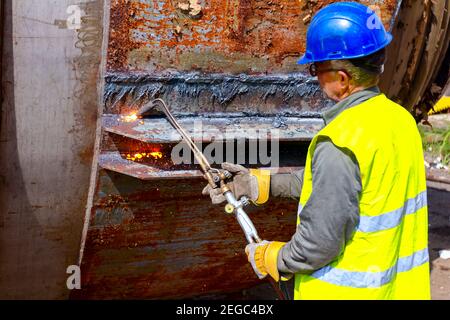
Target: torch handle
{"points": [[252, 236], [243, 219]]}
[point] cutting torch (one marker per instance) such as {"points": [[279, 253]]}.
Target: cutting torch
{"points": [[216, 179]]}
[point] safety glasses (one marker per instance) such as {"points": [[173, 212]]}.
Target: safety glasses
{"points": [[313, 70]]}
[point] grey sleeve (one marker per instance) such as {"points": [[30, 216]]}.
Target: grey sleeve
{"points": [[286, 185], [330, 215]]}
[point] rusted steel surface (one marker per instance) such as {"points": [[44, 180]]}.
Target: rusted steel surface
{"points": [[163, 239], [191, 52], [194, 92], [177, 156], [231, 36], [159, 130], [114, 161]]}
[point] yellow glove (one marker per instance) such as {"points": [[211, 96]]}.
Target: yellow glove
{"points": [[263, 178], [263, 258], [253, 183]]}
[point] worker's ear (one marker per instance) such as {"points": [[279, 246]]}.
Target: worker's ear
{"points": [[344, 82], [344, 78]]}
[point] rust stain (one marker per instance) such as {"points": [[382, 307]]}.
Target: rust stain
{"points": [[213, 37], [123, 19], [192, 247], [113, 201], [86, 155]]}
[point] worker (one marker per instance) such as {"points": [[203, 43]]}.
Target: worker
{"points": [[362, 229]]}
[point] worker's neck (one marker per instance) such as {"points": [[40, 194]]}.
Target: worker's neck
{"points": [[350, 91]]}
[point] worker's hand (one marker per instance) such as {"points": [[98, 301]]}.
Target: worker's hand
{"points": [[253, 183], [263, 258]]}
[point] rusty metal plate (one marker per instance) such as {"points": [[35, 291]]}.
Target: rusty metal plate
{"points": [[215, 56], [195, 92], [214, 36], [159, 130], [114, 161], [163, 239]]}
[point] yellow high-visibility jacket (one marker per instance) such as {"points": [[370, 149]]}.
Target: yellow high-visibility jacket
{"points": [[387, 257]]}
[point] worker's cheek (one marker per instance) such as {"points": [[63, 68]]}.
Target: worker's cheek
{"points": [[329, 86]]}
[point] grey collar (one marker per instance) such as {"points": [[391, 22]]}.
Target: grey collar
{"points": [[351, 101]]}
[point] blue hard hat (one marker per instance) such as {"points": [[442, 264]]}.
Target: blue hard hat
{"points": [[344, 30]]}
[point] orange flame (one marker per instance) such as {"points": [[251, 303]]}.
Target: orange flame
{"points": [[130, 118], [156, 154], [140, 156]]}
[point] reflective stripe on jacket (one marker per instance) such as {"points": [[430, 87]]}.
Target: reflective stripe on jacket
{"points": [[387, 257]]}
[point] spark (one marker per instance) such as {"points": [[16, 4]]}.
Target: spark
{"points": [[130, 118]]}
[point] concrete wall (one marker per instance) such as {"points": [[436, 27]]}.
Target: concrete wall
{"points": [[48, 123]]}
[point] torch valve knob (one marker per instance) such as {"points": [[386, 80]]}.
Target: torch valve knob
{"points": [[227, 174], [229, 208], [245, 201]]}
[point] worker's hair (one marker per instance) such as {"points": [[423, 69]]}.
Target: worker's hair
{"points": [[364, 71]]}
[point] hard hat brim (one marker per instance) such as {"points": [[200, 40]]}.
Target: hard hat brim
{"points": [[306, 60]]}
